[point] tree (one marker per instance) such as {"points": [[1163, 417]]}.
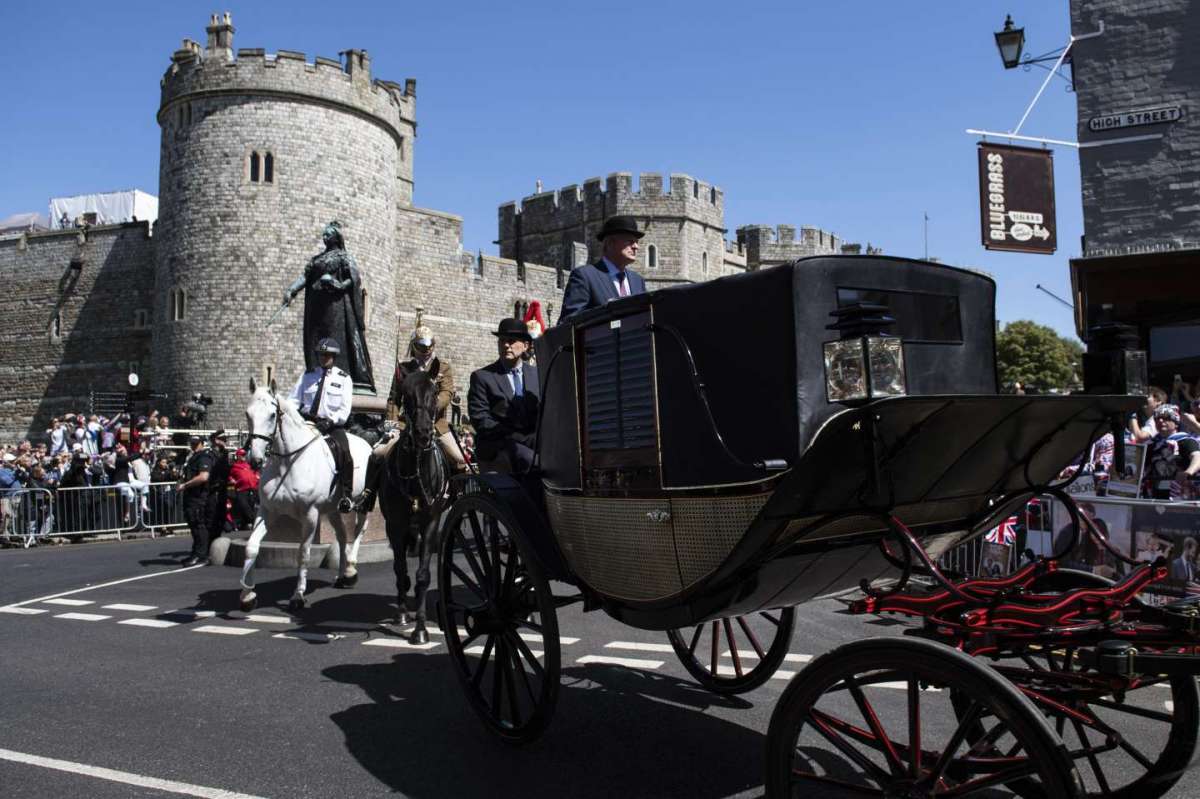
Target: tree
{"points": [[1037, 357]]}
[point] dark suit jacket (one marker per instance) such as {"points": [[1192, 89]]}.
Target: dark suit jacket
{"points": [[496, 415], [590, 286]]}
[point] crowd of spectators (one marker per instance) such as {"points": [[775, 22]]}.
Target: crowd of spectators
{"points": [[137, 457]]}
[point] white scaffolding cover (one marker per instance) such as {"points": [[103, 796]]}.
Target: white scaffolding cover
{"points": [[110, 208]]}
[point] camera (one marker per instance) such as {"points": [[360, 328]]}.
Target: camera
{"points": [[202, 399]]}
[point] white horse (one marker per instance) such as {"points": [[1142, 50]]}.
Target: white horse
{"points": [[297, 482]]}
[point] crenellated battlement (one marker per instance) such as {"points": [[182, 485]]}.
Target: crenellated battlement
{"points": [[215, 71]]}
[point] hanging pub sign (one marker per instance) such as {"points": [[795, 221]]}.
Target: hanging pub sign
{"points": [[1016, 198]]}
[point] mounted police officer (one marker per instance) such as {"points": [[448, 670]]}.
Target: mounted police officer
{"points": [[195, 489], [323, 396]]}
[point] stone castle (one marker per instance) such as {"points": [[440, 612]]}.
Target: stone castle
{"points": [[258, 152]]}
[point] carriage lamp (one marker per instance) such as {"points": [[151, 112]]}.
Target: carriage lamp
{"points": [[865, 363], [1010, 42], [1113, 363]]}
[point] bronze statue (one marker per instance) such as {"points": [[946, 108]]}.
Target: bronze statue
{"points": [[333, 308]]}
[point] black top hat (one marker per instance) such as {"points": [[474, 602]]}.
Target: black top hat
{"points": [[620, 224], [512, 328]]}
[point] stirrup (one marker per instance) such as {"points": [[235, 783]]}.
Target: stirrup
{"points": [[345, 505], [364, 499]]}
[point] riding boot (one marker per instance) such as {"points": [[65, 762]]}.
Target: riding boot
{"points": [[366, 500], [345, 467]]}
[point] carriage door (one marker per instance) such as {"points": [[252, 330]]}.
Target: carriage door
{"points": [[622, 541]]}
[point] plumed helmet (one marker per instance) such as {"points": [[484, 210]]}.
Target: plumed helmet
{"points": [[535, 323], [423, 336], [327, 346]]}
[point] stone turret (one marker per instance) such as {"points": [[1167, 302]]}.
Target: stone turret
{"points": [[220, 38]]}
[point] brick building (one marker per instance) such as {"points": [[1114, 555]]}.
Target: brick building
{"points": [[1138, 93], [259, 151]]}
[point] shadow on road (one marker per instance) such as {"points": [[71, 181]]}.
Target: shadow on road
{"points": [[169, 558], [616, 732]]}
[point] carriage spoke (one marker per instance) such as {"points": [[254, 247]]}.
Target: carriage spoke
{"points": [[473, 562], [842, 786], [1121, 707], [769, 617], [510, 684], [969, 720], [1027, 768], [695, 639], [477, 535], [830, 734], [474, 589], [737, 658], [477, 677], [494, 542], [869, 715], [497, 680], [716, 640], [1101, 780], [914, 727], [1135, 753], [532, 626], [525, 653], [753, 638]]}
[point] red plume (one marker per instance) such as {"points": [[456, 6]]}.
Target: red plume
{"points": [[534, 313]]}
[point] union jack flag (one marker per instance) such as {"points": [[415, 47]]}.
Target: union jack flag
{"points": [[1005, 533]]}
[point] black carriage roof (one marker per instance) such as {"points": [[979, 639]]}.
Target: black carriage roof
{"points": [[755, 340]]}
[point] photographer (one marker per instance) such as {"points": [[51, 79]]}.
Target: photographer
{"points": [[1173, 460]]}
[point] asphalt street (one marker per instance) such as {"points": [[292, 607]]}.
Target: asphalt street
{"points": [[161, 681]]}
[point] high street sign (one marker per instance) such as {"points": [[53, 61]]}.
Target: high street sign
{"points": [[1016, 199]]}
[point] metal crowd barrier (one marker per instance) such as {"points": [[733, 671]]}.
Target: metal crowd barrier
{"points": [[30, 514]]}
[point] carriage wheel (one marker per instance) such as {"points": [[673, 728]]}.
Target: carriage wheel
{"points": [[728, 656], [875, 718], [499, 620], [1133, 744]]}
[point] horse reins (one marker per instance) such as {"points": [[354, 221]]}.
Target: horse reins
{"points": [[271, 438]]}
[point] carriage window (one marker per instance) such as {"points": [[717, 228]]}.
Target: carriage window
{"points": [[920, 318]]}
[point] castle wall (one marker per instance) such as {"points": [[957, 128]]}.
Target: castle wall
{"points": [[683, 219], [462, 297], [233, 245], [42, 374], [766, 246]]}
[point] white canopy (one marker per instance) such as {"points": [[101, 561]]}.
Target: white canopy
{"points": [[108, 209]]}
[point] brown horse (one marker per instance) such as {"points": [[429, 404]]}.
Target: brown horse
{"points": [[413, 492]]}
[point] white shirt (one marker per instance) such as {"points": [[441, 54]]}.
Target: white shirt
{"points": [[335, 396], [58, 440]]}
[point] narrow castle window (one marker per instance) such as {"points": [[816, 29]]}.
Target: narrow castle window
{"points": [[254, 162], [400, 147], [269, 168], [268, 373], [56, 326], [177, 301], [712, 195], [652, 257], [695, 188], [140, 319], [704, 262]]}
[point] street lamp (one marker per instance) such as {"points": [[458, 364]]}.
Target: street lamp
{"points": [[1010, 42]]}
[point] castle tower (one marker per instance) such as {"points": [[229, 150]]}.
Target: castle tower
{"points": [[258, 153], [683, 220]]}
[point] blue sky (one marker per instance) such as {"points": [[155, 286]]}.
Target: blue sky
{"points": [[847, 115]]}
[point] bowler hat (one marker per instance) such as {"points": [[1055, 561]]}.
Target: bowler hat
{"points": [[620, 224], [512, 328]]}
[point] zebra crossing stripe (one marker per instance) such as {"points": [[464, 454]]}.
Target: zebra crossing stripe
{"points": [[24, 611], [629, 663], [264, 618], [637, 646], [478, 650], [399, 643], [133, 608], [158, 623], [82, 616], [220, 629], [75, 603], [313, 637]]}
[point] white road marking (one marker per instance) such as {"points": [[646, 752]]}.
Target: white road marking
{"points": [[192, 613], [149, 623], [265, 618], [134, 608], [302, 636], [82, 616], [220, 629], [783, 674], [399, 643], [478, 650], [101, 585], [124, 777], [75, 603], [900, 685], [629, 663], [797, 658], [639, 647], [1169, 705], [24, 611]]}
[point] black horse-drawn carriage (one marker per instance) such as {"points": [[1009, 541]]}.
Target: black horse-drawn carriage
{"points": [[711, 456]]}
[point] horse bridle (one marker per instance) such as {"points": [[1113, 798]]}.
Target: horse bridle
{"points": [[274, 433]]}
